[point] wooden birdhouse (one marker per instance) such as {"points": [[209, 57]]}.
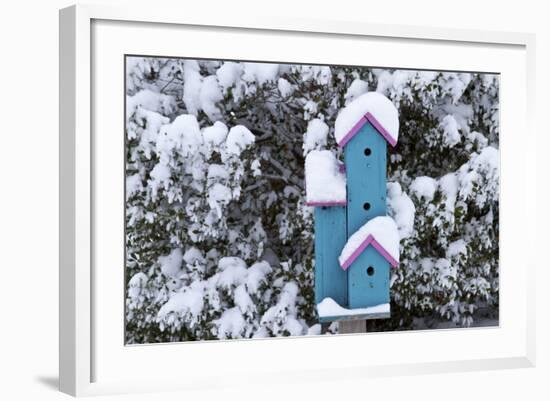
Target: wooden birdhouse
{"points": [[355, 242], [367, 257]]}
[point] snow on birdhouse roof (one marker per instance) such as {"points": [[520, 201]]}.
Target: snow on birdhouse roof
{"points": [[380, 232], [371, 107], [325, 180]]}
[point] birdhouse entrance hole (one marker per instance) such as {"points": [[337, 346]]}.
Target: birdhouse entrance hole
{"points": [[370, 270]]}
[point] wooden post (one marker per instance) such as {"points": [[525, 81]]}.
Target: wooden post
{"points": [[352, 326]]}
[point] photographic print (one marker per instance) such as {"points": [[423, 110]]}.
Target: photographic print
{"points": [[275, 199]]}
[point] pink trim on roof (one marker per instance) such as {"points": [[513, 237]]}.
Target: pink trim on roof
{"points": [[362, 121], [369, 241], [328, 203], [375, 123]]}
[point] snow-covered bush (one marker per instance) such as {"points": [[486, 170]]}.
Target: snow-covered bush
{"points": [[219, 240], [448, 160]]}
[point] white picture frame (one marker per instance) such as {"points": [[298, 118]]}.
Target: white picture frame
{"points": [[80, 373]]}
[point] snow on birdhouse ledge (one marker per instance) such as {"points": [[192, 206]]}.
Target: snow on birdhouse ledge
{"points": [[329, 310], [371, 107], [380, 232], [325, 180]]}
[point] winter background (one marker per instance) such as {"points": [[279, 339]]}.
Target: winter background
{"points": [[219, 242]]}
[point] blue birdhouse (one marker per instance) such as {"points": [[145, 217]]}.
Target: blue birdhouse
{"points": [[356, 244]]}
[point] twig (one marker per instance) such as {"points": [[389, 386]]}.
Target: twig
{"points": [[168, 83]]}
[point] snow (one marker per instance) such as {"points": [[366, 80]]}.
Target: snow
{"points": [[455, 248], [170, 265], [401, 208], [133, 185], [152, 101], [144, 118], [192, 86], [231, 324], [209, 95], [281, 317], [261, 333], [385, 232], [160, 178], [324, 181], [260, 72], [190, 301], [256, 276], [425, 77], [149, 123], [424, 187], [482, 169], [314, 330], [478, 138], [462, 113], [193, 255], [293, 326], [400, 78], [489, 159], [385, 81], [322, 74], [398, 84], [217, 172], [183, 134], [378, 105], [456, 84], [285, 88], [238, 139], [315, 136], [449, 188], [449, 126], [243, 301], [255, 166], [229, 74], [185, 305], [233, 272], [136, 283], [218, 195], [328, 307], [447, 272], [310, 110], [356, 89], [215, 134]]}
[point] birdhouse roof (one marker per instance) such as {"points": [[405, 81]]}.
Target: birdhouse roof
{"points": [[325, 179], [381, 233], [373, 108]]}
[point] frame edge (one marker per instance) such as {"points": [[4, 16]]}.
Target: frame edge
{"points": [[67, 113], [74, 201], [75, 358], [531, 327]]}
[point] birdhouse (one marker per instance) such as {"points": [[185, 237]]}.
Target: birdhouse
{"points": [[356, 244], [367, 257]]}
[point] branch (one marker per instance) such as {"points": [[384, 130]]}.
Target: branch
{"points": [[168, 83], [287, 174], [274, 177]]}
